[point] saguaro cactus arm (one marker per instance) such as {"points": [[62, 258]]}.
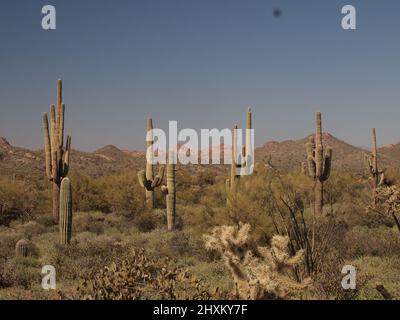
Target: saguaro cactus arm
{"points": [[327, 165], [150, 185], [47, 146], [66, 156], [65, 211]]}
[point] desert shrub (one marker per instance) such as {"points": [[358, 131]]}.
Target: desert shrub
{"points": [[8, 239], [205, 178], [22, 272], [364, 241], [17, 200], [46, 220], [327, 281], [30, 229], [392, 175], [89, 222], [214, 275], [215, 195], [88, 193], [180, 243], [377, 271], [83, 255], [147, 221], [124, 193], [141, 277], [345, 188]]}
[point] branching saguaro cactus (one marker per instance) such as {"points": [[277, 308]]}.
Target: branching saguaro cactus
{"points": [[258, 272], [56, 155], [146, 178], [21, 248], [170, 191], [319, 164], [65, 212], [371, 161], [231, 183]]}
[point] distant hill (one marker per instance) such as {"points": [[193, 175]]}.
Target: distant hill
{"points": [[286, 156], [105, 161]]}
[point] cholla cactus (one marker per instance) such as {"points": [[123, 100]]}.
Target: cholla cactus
{"points": [[377, 176], [146, 178], [170, 191], [319, 164], [56, 155], [258, 272], [387, 201], [245, 153], [21, 248]]}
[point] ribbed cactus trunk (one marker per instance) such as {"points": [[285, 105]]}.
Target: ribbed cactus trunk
{"points": [[230, 184], [318, 196], [21, 248], [375, 171], [170, 191], [146, 178], [56, 156], [319, 164], [65, 212], [56, 200]]}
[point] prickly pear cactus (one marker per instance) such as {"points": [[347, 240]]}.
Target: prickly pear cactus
{"points": [[65, 212]]}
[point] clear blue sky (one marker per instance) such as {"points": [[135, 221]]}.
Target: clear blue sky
{"points": [[200, 62]]}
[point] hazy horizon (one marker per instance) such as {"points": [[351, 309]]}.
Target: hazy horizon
{"points": [[200, 63]]}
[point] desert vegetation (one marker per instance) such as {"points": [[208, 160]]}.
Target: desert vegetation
{"points": [[115, 231]]}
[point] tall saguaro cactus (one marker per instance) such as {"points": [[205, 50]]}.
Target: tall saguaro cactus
{"points": [[377, 176], [170, 191], [230, 183], [319, 164], [246, 151], [65, 212], [146, 178], [56, 155]]}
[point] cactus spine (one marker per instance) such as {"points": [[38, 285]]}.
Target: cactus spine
{"points": [[377, 176], [237, 162], [170, 191], [56, 155], [319, 164], [21, 248], [146, 178], [65, 212]]}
